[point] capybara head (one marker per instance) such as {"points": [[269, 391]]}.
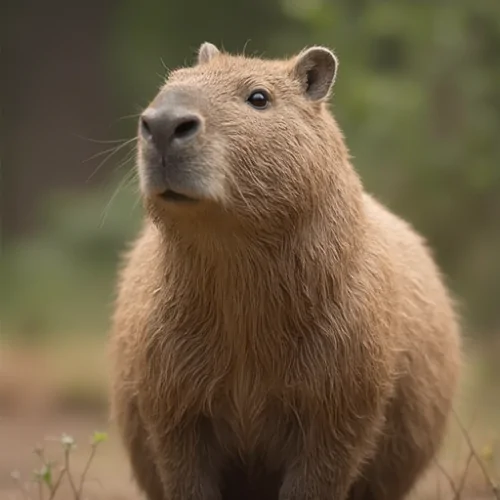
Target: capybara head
{"points": [[247, 139]]}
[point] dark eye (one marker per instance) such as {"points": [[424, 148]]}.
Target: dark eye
{"points": [[259, 99]]}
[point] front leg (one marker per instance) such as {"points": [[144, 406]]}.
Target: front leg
{"points": [[335, 432], [325, 475], [188, 463]]}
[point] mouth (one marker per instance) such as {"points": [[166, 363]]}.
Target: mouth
{"points": [[174, 196]]}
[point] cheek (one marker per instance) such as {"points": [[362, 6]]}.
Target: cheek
{"points": [[266, 173], [210, 166], [265, 156]]}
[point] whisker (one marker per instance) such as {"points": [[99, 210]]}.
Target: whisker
{"points": [[100, 153], [130, 156], [126, 117], [113, 152], [121, 185], [136, 204], [139, 109], [131, 178], [98, 141]]}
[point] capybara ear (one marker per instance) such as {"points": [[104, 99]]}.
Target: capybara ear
{"points": [[206, 52], [316, 68]]}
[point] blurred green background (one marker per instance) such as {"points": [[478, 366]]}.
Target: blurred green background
{"points": [[417, 95]]}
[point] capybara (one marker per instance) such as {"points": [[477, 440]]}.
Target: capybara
{"points": [[278, 332]]}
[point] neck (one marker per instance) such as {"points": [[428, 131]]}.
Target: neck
{"points": [[219, 258], [258, 283], [322, 245]]}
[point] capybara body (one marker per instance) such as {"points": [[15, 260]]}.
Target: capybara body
{"points": [[278, 332]]}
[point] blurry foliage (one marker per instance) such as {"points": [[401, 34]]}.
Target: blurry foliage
{"points": [[51, 476], [418, 98], [417, 95], [60, 280]]}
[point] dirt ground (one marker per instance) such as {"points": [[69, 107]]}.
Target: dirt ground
{"points": [[45, 393], [108, 478], [36, 408]]}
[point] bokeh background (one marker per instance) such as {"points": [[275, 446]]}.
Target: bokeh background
{"points": [[417, 95]]}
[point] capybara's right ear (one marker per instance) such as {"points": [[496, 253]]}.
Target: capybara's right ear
{"points": [[316, 68], [206, 52]]}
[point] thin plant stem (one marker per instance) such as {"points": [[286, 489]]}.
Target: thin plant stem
{"points": [[57, 484], [70, 477], [460, 489], [86, 469], [494, 488]]}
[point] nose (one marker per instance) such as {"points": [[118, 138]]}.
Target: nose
{"points": [[169, 128]]}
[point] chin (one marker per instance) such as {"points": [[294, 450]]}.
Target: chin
{"points": [[172, 196]]}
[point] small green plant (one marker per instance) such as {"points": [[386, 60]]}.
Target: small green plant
{"points": [[49, 477], [484, 459]]}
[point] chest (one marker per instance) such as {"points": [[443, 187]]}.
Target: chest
{"points": [[241, 361]]}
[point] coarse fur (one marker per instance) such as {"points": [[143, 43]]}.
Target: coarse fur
{"points": [[283, 336]]}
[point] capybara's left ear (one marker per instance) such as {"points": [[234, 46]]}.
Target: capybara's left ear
{"points": [[316, 68]]}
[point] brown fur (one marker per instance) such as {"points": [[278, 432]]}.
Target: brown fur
{"points": [[286, 336]]}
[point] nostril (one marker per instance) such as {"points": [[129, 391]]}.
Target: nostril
{"points": [[160, 127], [187, 128], [145, 127]]}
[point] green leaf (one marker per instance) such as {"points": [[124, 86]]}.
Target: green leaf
{"points": [[46, 475], [99, 437]]}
